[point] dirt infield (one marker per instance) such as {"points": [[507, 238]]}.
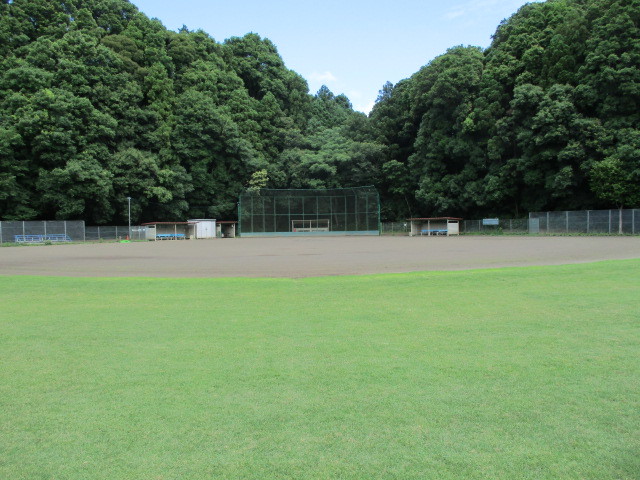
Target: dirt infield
{"points": [[308, 256]]}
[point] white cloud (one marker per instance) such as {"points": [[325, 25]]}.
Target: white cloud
{"points": [[364, 107], [326, 77]]}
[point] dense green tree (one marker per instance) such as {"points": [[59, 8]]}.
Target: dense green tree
{"points": [[209, 144], [16, 191], [444, 153], [55, 134], [543, 104], [337, 150], [392, 125], [615, 179], [99, 103], [328, 110], [82, 188], [258, 64], [521, 126], [258, 181], [333, 160], [158, 187]]}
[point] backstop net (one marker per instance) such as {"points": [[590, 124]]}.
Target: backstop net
{"points": [[338, 211]]}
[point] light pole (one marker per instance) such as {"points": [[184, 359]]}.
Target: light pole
{"points": [[129, 205]]}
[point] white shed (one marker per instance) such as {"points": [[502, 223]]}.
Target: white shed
{"points": [[205, 227]]}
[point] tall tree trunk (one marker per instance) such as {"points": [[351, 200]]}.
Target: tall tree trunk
{"points": [[620, 220]]}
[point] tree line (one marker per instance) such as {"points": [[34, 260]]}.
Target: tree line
{"points": [[99, 103]]}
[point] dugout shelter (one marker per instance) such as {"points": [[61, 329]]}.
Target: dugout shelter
{"points": [[432, 226], [226, 228], [170, 230], [298, 212]]}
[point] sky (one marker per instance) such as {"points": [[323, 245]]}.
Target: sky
{"points": [[351, 46]]}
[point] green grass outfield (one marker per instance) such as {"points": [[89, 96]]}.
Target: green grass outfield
{"points": [[520, 373]]}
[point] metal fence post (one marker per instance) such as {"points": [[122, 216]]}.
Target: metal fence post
{"points": [[633, 223], [588, 220], [23, 233], [547, 222], [1, 239], [609, 222]]}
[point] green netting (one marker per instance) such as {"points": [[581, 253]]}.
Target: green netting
{"points": [[317, 212]]}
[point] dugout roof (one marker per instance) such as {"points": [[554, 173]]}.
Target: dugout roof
{"points": [[434, 218]]}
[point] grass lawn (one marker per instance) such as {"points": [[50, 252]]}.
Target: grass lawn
{"points": [[522, 373]]}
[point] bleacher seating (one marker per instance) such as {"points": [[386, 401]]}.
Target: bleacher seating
{"points": [[170, 236], [51, 237], [434, 231]]}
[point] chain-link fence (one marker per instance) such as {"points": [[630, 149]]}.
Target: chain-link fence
{"points": [[94, 234], [55, 231], [395, 228], [626, 221], [42, 231], [310, 212], [586, 222], [515, 226], [496, 226]]}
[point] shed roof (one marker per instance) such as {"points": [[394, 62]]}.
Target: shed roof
{"points": [[435, 218], [169, 223]]}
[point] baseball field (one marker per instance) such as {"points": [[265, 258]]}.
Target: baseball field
{"points": [[391, 358]]}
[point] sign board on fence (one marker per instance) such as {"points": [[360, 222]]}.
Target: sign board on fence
{"points": [[490, 221]]}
